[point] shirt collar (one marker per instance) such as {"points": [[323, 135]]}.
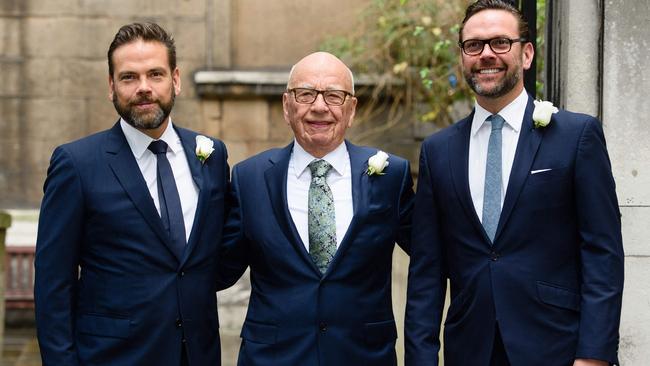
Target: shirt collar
{"points": [[139, 142], [513, 113], [337, 158]]}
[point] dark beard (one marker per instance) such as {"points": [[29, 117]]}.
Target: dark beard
{"points": [[145, 121], [506, 85]]}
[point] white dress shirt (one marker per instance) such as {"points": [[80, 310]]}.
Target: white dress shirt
{"points": [[339, 179], [513, 114], [147, 162]]}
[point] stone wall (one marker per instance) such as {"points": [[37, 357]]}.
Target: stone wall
{"points": [[54, 71]]}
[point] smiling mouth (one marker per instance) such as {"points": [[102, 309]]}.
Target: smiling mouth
{"points": [[319, 123], [489, 71]]}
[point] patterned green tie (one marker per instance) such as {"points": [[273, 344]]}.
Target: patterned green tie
{"points": [[320, 216]]}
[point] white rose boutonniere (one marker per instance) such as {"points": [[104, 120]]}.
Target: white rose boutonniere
{"points": [[377, 163], [204, 147], [542, 113]]}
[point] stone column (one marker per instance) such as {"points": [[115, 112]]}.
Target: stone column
{"points": [[602, 58], [5, 222], [625, 111]]}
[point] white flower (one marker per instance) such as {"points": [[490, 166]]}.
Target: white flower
{"points": [[542, 113], [204, 147], [377, 163]]}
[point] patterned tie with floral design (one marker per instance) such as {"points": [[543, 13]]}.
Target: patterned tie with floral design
{"points": [[321, 217]]}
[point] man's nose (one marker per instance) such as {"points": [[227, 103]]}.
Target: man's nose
{"points": [[143, 86], [487, 52], [319, 104]]}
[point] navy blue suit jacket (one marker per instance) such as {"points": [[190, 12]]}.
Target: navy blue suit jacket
{"points": [[553, 279], [109, 289], [295, 315]]}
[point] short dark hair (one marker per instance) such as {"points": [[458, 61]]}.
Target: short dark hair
{"points": [[146, 32], [506, 5]]}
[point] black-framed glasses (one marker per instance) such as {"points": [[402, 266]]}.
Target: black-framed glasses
{"points": [[473, 47], [308, 96]]}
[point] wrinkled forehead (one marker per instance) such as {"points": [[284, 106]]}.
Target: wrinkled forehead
{"points": [[321, 74]]}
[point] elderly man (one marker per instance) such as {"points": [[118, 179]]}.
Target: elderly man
{"points": [[317, 223], [518, 209]]}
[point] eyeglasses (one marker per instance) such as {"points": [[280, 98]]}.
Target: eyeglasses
{"points": [[473, 47], [308, 96]]}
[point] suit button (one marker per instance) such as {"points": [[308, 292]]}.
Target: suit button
{"points": [[182, 274], [184, 340], [322, 326], [179, 323], [494, 256]]}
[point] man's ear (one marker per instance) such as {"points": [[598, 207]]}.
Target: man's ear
{"points": [[285, 107], [353, 102], [111, 88], [527, 55], [176, 81]]}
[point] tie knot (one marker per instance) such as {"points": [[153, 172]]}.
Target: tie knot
{"points": [[158, 147], [497, 122], [319, 168]]}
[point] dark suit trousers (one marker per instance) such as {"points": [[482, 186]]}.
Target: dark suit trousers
{"points": [[499, 356], [184, 361]]}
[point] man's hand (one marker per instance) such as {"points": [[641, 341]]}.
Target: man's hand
{"points": [[589, 362]]}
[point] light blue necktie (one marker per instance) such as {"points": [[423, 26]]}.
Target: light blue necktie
{"points": [[493, 179], [321, 219]]}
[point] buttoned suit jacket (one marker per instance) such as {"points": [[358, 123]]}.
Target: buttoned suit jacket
{"points": [[109, 289], [553, 278], [296, 316]]}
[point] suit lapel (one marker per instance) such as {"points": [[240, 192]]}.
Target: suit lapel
{"points": [[276, 184], [529, 140], [188, 140], [121, 160], [360, 188], [459, 168]]}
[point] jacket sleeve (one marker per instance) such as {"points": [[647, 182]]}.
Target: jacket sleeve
{"points": [[234, 248], [60, 232], [406, 203], [427, 280], [601, 248]]}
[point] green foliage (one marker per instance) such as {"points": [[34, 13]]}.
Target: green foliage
{"points": [[540, 49], [411, 45]]}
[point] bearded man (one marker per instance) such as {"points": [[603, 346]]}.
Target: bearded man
{"points": [[130, 224], [517, 209]]}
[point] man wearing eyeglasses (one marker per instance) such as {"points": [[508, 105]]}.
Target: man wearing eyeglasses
{"points": [[519, 213], [316, 222]]}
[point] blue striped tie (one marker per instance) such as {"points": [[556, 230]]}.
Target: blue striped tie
{"points": [[493, 179]]}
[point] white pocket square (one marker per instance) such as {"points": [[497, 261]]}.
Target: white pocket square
{"points": [[539, 171]]}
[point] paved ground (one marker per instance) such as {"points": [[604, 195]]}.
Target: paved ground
{"points": [[20, 348]]}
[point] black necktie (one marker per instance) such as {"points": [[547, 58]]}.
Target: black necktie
{"points": [[171, 212]]}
